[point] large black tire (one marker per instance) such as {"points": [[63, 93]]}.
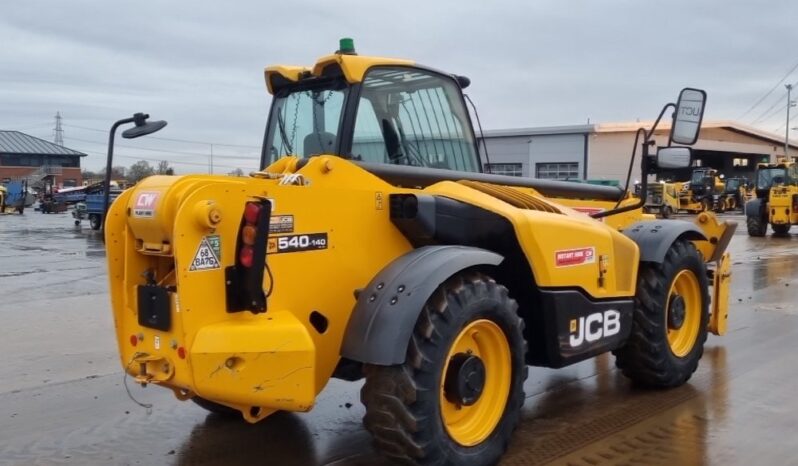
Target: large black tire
{"points": [[667, 211], [95, 222], [216, 408], [706, 205], [647, 357], [756, 226], [404, 412]]}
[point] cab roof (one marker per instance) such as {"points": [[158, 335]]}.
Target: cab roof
{"points": [[351, 67]]}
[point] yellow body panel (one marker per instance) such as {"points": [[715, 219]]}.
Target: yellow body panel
{"points": [[781, 205], [340, 199]]}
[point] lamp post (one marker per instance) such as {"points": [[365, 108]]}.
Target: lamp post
{"points": [[142, 128], [790, 103]]}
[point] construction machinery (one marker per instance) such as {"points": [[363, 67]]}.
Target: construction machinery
{"points": [[733, 196], [370, 244], [663, 199], [776, 200], [698, 194]]}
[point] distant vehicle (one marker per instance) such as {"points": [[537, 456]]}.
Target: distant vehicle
{"points": [[776, 200], [91, 207], [15, 196]]}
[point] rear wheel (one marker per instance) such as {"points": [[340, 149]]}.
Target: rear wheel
{"points": [[756, 227], [670, 320], [706, 205], [667, 212], [731, 203], [457, 398], [781, 229]]}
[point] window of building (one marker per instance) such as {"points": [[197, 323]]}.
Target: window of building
{"points": [[70, 183], [557, 171], [510, 169], [740, 162]]}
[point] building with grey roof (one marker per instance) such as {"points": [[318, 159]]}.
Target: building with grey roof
{"points": [[26, 156]]}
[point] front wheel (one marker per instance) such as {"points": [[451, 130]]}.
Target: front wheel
{"points": [[95, 222], [667, 212], [670, 320], [458, 396]]}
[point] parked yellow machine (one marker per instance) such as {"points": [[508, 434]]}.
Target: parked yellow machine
{"points": [[371, 245], [663, 199], [776, 200], [700, 193]]}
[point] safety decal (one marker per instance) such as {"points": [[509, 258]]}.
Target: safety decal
{"points": [[571, 257], [589, 211], [281, 224], [145, 204], [296, 243], [208, 254]]}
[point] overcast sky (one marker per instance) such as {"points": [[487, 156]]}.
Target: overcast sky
{"points": [[199, 64]]}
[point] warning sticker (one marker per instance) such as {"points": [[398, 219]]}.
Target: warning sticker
{"points": [[145, 204], [281, 224], [589, 211], [208, 254], [571, 257]]}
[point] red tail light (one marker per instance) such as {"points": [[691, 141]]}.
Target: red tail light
{"points": [[245, 279], [246, 255], [251, 213]]}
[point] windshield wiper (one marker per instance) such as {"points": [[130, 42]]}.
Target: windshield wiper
{"points": [[283, 133]]}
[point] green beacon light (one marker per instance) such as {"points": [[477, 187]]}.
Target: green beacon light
{"points": [[346, 46]]}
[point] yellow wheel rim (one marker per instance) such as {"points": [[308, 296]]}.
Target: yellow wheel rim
{"points": [[686, 287], [470, 425]]}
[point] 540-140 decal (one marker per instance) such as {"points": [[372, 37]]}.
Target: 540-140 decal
{"points": [[296, 243]]}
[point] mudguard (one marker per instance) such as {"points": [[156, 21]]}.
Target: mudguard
{"points": [[654, 238], [386, 311]]}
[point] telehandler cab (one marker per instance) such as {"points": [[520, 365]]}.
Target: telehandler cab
{"points": [[370, 244]]}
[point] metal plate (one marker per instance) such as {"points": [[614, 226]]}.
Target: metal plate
{"points": [[154, 307]]}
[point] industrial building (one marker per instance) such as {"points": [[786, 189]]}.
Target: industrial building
{"points": [[23, 156], [602, 151]]}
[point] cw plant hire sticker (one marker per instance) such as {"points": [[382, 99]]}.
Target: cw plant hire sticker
{"points": [[145, 204], [208, 254], [571, 257]]}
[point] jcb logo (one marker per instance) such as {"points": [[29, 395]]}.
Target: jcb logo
{"points": [[594, 327]]}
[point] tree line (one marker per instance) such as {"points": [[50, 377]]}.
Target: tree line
{"points": [[140, 170]]}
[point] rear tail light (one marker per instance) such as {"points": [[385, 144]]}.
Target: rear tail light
{"points": [[244, 280]]}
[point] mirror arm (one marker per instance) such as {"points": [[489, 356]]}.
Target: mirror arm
{"points": [[109, 162], [644, 169]]}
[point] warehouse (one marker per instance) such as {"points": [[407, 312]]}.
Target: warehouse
{"points": [[602, 151], [25, 156]]}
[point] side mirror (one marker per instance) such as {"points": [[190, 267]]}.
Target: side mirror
{"points": [[688, 115], [674, 157]]}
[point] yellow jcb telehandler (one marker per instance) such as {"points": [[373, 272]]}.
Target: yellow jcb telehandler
{"points": [[776, 201], [370, 244]]}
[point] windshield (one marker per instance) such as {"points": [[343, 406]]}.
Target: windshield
{"points": [[404, 116], [732, 185], [305, 122], [698, 176], [766, 177]]}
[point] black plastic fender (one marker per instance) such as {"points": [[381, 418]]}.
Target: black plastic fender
{"points": [[386, 311], [755, 208], [654, 238]]}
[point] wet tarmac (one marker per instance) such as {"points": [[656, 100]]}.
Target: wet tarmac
{"points": [[62, 399]]}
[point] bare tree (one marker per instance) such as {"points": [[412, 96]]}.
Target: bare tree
{"points": [[237, 172], [139, 170], [163, 168]]}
